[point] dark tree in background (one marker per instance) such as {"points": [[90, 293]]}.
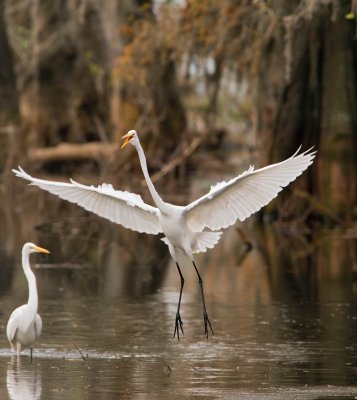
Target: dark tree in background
{"points": [[310, 98], [8, 98], [61, 70]]}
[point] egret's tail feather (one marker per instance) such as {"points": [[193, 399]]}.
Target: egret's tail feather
{"points": [[205, 240]]}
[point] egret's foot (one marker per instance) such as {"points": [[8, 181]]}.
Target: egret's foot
{"points": [[207, 324], [178, 326]]}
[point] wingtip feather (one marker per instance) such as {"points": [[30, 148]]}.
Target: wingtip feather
{"points": [[21, 173]]}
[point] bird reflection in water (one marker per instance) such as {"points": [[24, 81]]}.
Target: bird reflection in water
{"points": [[23, 380]]}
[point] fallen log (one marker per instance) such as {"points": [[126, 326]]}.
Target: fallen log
{"points": [[73, 151]]}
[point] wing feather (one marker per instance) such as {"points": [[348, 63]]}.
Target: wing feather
{"points": [[38, 326], [11, 328], [124, 208], [245, 194]]}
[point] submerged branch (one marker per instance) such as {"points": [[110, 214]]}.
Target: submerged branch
{"points": [[317, 206], [187, 151]]}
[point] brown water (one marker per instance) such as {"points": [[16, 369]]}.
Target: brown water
{"points": [[284, 314]]}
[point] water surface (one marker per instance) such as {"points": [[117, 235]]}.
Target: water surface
{"points": [[284, 314]]}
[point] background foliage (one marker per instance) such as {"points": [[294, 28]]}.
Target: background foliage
{"points": [[211, 86]]}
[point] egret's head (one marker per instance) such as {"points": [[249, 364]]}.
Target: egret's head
{"points": [[32, 248], [130, 137]]}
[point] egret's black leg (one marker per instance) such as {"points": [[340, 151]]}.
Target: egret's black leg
{"points": [[31, 353], [205, 316], [178, 322]]}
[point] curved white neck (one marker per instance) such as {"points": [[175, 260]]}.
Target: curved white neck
{"points": [[31, 279], [155, 196]]}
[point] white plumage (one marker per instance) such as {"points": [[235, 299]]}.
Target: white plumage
{"points": [[25, 325], [246, 194], [185, 228], [124, 208]]}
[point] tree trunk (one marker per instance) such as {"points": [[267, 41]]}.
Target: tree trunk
{"points": [[167, 106], [65, 91], [8, 97], [337, 183], [311, 100]]}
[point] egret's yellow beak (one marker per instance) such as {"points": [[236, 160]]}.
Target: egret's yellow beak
{"points": [[127, 138], [41, 250]]}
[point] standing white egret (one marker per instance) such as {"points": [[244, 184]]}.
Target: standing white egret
{"points": [[184, 227], [25, 325]]}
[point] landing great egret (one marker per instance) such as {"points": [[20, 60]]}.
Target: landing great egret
{"points": [[25, 325], [184, 227]]}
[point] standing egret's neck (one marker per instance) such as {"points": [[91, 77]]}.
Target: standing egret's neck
{"points": [[160, 204], [31, 279]]}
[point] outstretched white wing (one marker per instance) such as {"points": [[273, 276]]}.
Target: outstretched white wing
{"points": [[245, 194], [124, 208]]}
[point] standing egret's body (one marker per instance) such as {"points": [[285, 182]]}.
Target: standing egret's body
{"points": [[185, 228], [25, 325]]}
